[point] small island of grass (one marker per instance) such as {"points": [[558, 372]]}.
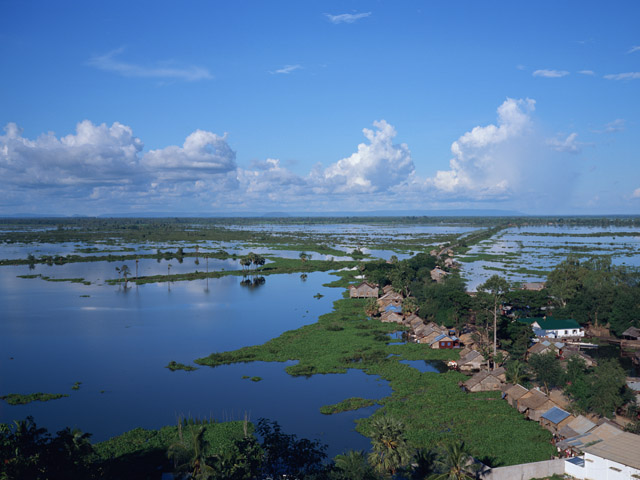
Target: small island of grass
{"points": [[20, 399], [173, 366], [353, 403]]}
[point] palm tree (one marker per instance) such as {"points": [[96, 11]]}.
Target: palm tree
{"points": [[371, 307], [353, 465], [389, 447], [455, 463], [191, 459], [125, 272], [516, 372]]}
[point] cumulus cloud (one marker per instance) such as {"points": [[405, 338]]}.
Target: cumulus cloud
{"points": [[286, 69], [108, 62], [636, 193], [485, 159], [550, 73], [94, 155], [634, 49], [618, 125], [569, 144], [623, 76], [376, 166], [587, 72], [203, 153], [347, 17]]}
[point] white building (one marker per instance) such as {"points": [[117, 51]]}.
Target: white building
{"points": [[616, 458]]}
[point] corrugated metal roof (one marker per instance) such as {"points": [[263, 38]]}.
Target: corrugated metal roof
{"points": [[624, 448], [581, 424], [555, 415]]}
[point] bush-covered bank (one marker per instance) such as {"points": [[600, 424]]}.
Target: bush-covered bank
{"points": [[431, 405]]}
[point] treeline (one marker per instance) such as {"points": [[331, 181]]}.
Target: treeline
{"points": [[229, 451], [597, 292]]}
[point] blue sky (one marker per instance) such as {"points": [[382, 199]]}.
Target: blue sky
{"points": [[217, 107]]}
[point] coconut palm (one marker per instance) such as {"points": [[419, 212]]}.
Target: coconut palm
{"points": [[389, 446], [190, 458], [455, 463], [371, 307], [353, 465]]}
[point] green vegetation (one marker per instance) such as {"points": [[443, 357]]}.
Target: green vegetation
{"points": [[76, 386], [20, 399], [353, 403], [431, 405], [49, 279], [255, 379], [173, 366]]}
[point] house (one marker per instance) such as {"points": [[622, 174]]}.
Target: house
{"points": [[631, 333], [390, 298], [578, 426], [445, 341], [471, 361], [545, 346], [391, 316], [533, 286], [550, 327], [438, 275], [484, 382], [534, 398], [555, 418], [386, 289], [576, 444], [393, 308], [613, 458], [568, 353], [411, 318], [430, 337], [513, 394], [364, 290]]}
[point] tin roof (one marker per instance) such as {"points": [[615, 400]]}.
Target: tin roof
{"points": [[555, 415], [623, 448]]}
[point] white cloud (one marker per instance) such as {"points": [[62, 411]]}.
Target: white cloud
{"points": [[623, 76], [95, 155], [636, 193], [347, 17], [587, 72], [550, 73], [110, 63], [567, 145], [203, 153], [376, 166], [286, 69], [485, 162], [618, 125], [634, 49]]}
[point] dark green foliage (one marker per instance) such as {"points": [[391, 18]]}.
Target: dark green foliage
{"points": [[20, 399], [547, 370], [515, 337], [352, 465], [173, 366], [353, 403], [29, 452]]}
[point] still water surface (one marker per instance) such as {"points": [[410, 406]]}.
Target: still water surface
{"points": [[117, 343]]}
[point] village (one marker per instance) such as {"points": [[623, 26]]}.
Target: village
{"points": [[588, 446]]}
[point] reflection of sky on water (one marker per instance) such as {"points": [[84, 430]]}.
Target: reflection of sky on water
{"points": [[544, 252], [54, 334]]}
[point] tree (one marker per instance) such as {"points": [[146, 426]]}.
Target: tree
{"points": [[371, 307], [389, 449], [455, 463], [393, 259], [352, 465], [495, 288], [608, 389], [303, 256], [409, 306], [191, 457], [547, 370], [124, 270], [516, 372]]}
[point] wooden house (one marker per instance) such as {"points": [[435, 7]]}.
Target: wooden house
{"points": [[532, 399], [631, 333], [472, 361], [386, 289], [513, 394], [533, 286], [555, 419], [430, 337], [576, 426], [438, 275], [568, 353], [446, 341], [483, 381], [390, 298], [391, 316], [364, 290]]}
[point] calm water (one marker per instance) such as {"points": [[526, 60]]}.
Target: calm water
{"points": [[117, 343]]}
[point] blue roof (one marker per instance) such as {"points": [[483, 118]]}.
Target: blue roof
{"points": [[393, 308], [555, 415], [439, 337]]}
